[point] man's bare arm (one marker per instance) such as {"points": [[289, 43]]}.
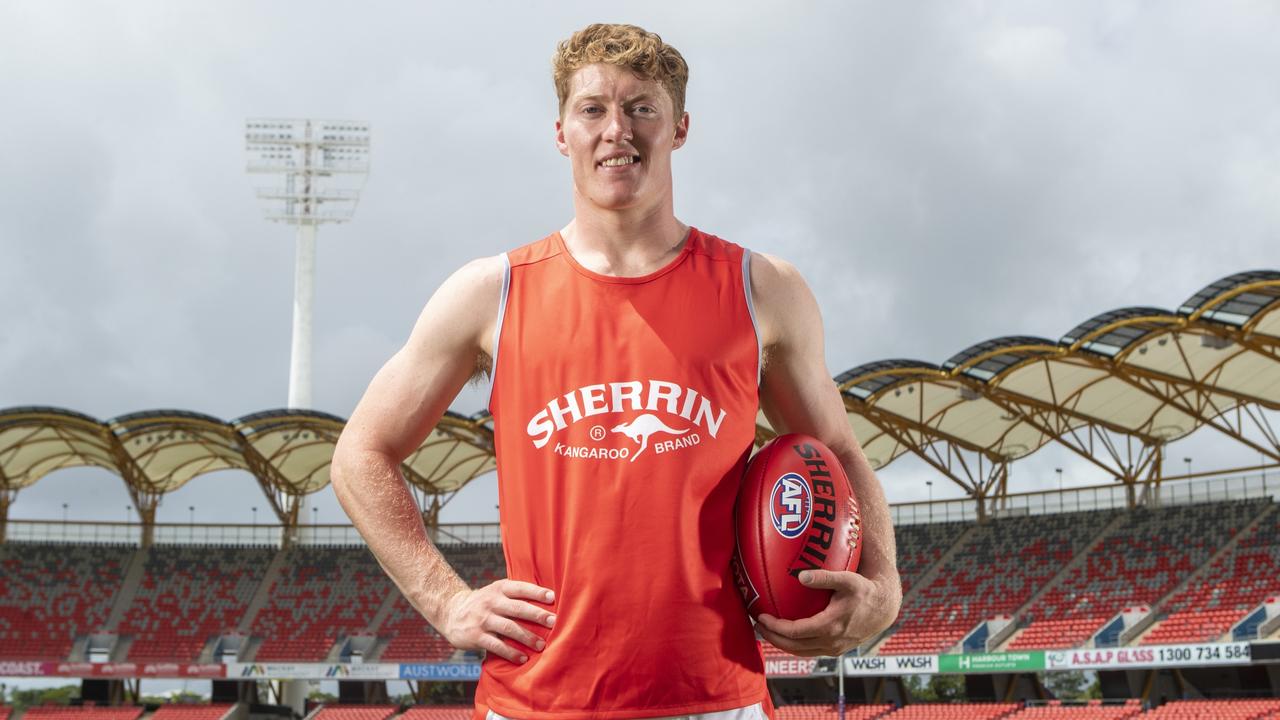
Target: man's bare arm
{"points": [[797, 394], [403, 403]]}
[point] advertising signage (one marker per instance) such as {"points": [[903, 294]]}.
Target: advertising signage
{"points": [[313, 671], [1142, 657], [1152, 656], [992, 662], [440, 671], [891, 665]]}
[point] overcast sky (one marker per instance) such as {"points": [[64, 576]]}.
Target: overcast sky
{"points": [[942, 173]]}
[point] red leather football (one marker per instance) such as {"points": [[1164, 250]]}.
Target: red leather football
{"points": [[795, 511]]}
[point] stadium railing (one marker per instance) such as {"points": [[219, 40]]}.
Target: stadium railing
{"points": [[1172, 491], [122, 533]]}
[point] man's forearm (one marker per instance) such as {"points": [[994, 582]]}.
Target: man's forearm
{"points": [[879, 549], [372, 490]]}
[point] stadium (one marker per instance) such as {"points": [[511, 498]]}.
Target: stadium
{"points": [[1158, 590]]}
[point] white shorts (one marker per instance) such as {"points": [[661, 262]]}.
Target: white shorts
{"points": [[750, 712]]}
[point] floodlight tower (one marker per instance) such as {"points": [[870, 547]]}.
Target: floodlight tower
{"points": [[325, 164]]}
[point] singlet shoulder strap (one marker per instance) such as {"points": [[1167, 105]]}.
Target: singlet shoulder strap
{"points": [[751, 308], [497, 326]]}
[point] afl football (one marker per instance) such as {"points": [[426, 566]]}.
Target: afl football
{"points": [[795, 511]]}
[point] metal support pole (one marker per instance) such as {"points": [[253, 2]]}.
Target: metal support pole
{"points": [[840, 697], [303, 303]]}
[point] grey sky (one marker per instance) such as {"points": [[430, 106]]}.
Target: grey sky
{"points": [[942, 173]]}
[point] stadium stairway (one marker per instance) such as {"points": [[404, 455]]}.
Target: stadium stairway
{"points": [[187, 599], [925, 579], [375, 624], [322, 596], [384, 610], [1155, 549], [1002, 564], [263, 593], [129, 588], [260, 599], [1137, 634], [1001, 640]]}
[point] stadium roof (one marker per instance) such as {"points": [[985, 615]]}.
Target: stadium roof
{"points": [[1116, 388], [158, 451]]}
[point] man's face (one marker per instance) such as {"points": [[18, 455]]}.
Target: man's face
{"points": [[618, 132]]}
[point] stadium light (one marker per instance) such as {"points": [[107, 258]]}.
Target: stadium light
{"points": [[64, 512], [192, 508], [1059, 471], [255, 515], [325, 164], [1187, 460]]}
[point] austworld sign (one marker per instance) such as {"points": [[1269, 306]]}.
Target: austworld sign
{"points": [[440, 671]]}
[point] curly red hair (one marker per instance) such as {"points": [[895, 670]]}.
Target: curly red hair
{"points": [[629, 46]]}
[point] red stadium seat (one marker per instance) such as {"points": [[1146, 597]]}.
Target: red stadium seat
{"points": [[437, 712], [355, 712], [1003, 563], [189, 594], [1141, 561], [321, 595], [53, 593]]}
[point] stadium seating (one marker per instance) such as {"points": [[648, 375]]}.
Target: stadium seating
{"points": [[1140, 562], [322, 594], [355, 712], [829, 712], [187, 595], [437, 712], [175, 711], [1216, 710], [774, 653], [1002, 564], [1235, 584], [920, 546], [410, 637], [954, 711], [53, 593], [1093, 710], [4, 712], [69, 712]]}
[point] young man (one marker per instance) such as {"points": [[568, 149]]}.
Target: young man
{"points": [[628, 354]]}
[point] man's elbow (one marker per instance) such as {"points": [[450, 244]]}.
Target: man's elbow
{"points": [[355, 460], [348, 460]]}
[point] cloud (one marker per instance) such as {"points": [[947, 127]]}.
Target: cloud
{"points": [[941, 175]]}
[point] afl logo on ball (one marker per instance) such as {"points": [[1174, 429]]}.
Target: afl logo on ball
{"points": [[791, 504]]}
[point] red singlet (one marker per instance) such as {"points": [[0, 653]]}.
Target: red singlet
{"points": [[624, 410]]}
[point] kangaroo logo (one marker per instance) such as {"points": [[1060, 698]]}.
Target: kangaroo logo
{"points": [[641, 428]]}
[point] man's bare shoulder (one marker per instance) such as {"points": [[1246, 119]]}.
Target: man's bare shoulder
{"points": [[463, 310], [780, 295], [481, 275], [772, 274]]}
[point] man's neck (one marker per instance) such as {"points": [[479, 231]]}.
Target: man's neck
{"points": [[625, 243]]}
